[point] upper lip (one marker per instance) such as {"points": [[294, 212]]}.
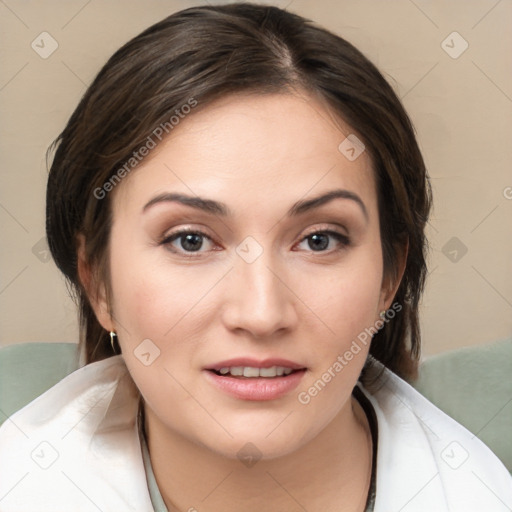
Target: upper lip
{"points": [[254, 363]]}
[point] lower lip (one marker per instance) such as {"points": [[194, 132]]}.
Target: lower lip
{"points": [[256, 388]]}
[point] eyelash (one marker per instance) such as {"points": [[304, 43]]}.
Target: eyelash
{"points": [[343, 241]]}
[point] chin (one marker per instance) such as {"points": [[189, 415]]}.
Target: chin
{"points": [[252, 448], [261, 440]]}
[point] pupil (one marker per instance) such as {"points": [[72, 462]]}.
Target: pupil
{"points": [[318, 242], [192, 242]]}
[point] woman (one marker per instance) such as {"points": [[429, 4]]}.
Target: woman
{"points": [[239, 202]]}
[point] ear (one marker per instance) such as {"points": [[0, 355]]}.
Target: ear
{"points": [[390, 283], [95, 291]]}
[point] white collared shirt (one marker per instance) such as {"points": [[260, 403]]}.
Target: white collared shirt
{"points": [[77, 448]]}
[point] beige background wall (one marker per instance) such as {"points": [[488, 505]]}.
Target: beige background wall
{"points": [[461, 107]]}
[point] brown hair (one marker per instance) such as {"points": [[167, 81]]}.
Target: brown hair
{"points": [[212, 51]]}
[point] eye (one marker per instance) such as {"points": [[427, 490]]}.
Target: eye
{"points": [[187, 241], [325, 241]]}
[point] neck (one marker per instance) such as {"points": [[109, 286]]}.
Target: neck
{"points": [[331, 472]]}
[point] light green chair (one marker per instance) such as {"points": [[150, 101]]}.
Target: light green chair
{"points": [[472, 385], [29, 369]]}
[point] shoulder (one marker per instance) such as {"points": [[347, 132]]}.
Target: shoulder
{"points": [[58, 452], [425, 459]]}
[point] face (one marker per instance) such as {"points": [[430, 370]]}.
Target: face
{"points": [[247, 240]]}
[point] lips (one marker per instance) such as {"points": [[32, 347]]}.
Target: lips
{"points": [[250, 379]]}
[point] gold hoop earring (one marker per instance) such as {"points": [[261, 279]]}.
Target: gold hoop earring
{"points": [[112, 335]]}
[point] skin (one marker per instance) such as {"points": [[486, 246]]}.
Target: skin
{"points": [[259, 155]]}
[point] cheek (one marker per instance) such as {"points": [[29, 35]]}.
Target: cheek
{"points": [[143, 301], [164, 310], [348, 312], [345, 301], [157, 309], [346, 297], [152, 296]]}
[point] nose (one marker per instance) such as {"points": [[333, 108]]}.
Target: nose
{"points": [[258, 300]]}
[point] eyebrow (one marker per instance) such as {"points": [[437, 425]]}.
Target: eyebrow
{"points": [[207, 205], [306, 205], [218, 208]]}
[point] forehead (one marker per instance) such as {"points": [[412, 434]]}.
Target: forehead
{"points": [[251, 148]]}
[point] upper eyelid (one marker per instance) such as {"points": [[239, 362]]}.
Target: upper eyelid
{"points": [[204, 233], [327, 229]]}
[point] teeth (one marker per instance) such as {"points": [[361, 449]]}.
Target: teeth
{"points": [[268, 372], [249, 371]]}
